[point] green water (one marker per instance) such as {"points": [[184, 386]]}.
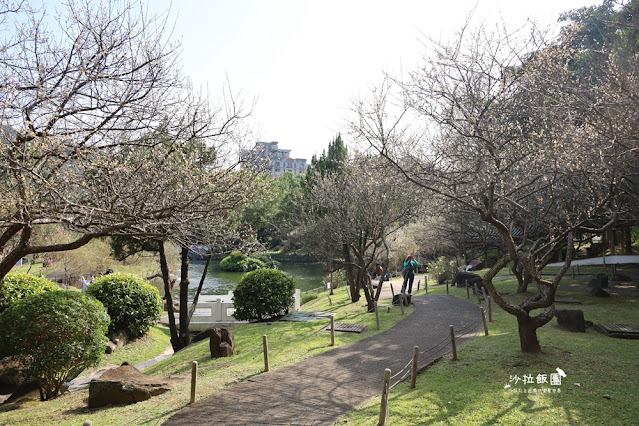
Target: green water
{"points": [[306, 276]]}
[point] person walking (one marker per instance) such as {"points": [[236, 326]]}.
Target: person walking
{"points": [[410, 267]]}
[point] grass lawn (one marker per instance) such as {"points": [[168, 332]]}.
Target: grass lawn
{"points": [[600, 387], [288, 343]]}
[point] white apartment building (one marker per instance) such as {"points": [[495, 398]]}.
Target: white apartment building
{"points": [[268, 157]]}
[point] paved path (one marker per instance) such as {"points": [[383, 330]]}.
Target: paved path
{"points": [[321, 389]]}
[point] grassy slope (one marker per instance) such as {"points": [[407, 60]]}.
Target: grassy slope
{"points": [[600, 388], [288, 344]]}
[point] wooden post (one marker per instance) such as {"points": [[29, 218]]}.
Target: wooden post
{"points": [[265, 344], [413, 379], [426, 284], [193, 381], [490, 309], [477, 291], [401, 302], [418, 283], [483, 318], [483, 291], [446, 286], [392, 289], [452, 342], [332, 331], [376, 315], [383, 407], [467, 290]]}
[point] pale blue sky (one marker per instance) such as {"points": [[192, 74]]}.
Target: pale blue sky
{"points": [[305, 60]]}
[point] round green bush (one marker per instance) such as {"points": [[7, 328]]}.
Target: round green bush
{"points": [[263, 294], [239, 262], [133, 304], [18, 285], [53, 334]]}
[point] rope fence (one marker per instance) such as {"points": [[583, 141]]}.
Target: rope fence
{"points": [[411, 367]]}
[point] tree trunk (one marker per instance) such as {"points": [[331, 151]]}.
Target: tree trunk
{"points": [[169, 297], [183, 337], [352, 282], [528, 335]]}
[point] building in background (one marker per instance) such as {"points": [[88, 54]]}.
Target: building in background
{"points": [[268, 157]]}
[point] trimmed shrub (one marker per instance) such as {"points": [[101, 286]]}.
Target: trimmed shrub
{"points": [[239, 262], [54, 334], [263, 294], [133, 304], [18, 285]]}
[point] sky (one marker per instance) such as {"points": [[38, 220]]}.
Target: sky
{"points": [[305, 61]]}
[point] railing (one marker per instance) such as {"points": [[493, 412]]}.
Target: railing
{"points": [[213, 310]]}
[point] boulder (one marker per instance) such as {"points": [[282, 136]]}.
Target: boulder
{"points": [[110, 347], [599, 292], [396, 299], [600, 281], [221, 343], [467, 277], [571, 319], [125, 385], [475, 265]]}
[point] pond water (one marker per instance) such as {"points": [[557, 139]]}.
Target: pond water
{"points": [[306, 276]]}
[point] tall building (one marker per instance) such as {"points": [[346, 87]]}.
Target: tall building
{"points": [[267, 156]]}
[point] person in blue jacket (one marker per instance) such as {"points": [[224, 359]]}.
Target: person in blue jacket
{"points": [[410, 267]]}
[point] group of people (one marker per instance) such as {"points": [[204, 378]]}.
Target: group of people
{"points": [[86, 282], [408, 272]]}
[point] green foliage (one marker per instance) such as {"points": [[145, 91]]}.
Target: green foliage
{"points": [[307, 297], [18, 285], [331, 162], [133, 304], [54, 334], [271, 215], [263, 294], [239, 262], [443, 269]]}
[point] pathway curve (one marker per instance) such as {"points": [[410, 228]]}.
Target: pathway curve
{"points": [[322, 389]]}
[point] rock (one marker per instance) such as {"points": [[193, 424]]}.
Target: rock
{"points": [[463, 277], [571, 320], [125, 385], [221, 343], [475, 265], [110, 348], [599, 292], [600, 281], [120, 337], [407, 298]]}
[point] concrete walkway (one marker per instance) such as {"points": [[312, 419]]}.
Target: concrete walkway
{"points": [[322, 389]]}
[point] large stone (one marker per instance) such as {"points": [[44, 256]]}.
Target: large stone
{"points": [[221, 343], [475, 265], [126, 385], [599, 292], [407, 298], [600, 281], [571, 319], [467, 277]]}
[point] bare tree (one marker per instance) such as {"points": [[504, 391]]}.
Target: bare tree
{"points": [[495, 143], [100, 131], [352, 213]]}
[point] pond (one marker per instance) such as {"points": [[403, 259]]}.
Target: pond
{"points": [[306, 276]]}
